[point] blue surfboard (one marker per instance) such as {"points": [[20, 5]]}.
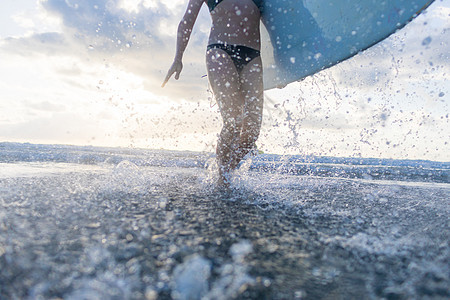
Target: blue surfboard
{"points": [[307, 36]]}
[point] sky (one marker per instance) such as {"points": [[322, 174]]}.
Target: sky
{"points": [[89, 72]]}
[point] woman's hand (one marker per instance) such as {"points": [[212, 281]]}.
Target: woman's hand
{"points": [[176, 68]]}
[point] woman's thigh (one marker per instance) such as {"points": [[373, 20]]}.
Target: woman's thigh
{"points": [[225, 84], [252, 87]]}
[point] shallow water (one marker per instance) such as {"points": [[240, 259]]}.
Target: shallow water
{"points": [[96, 223]]}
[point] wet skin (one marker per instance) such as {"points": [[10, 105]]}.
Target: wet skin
{"points": [[239, 94]]}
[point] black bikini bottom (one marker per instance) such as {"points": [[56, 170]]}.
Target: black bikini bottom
{"points": [[241, 55]]}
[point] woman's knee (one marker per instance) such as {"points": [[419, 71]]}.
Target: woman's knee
{"points": [[252, 120]]}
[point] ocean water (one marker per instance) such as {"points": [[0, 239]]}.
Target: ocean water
{"points": [[115, 223]]}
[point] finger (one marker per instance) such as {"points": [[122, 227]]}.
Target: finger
{"points": [[166, 79], [164, 83]]}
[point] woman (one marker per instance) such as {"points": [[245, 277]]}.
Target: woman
{"points": [[234, 70]]}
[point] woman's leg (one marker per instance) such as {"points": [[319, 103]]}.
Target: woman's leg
{"points": [[251, 84], [225, 83]]}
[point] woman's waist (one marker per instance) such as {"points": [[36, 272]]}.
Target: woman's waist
{"points": [[250, 43], [233, 48]]}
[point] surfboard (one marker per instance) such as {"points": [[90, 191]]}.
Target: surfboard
{"points": [[302, 37]]}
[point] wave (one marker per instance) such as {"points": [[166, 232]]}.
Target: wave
{"points": [[359, 168]]}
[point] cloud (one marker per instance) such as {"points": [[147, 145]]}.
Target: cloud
{"points": [[111, 26], [49, 43], [101, 18], [139, 39]]}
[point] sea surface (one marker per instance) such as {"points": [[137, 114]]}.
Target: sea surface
{"points": [[119, 223]]}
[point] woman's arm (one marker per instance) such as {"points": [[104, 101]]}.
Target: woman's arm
{"points": [[183, 35]]}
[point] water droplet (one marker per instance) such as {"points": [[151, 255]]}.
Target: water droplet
{"points": [[292, 59], [227, 84], [426, 41]]}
